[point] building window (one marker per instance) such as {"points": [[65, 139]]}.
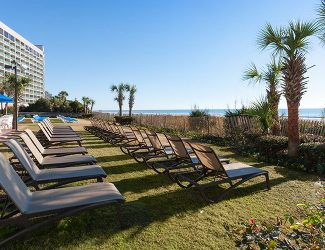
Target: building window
{"points": [[11, 37]]}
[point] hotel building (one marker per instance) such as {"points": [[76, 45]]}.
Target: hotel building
{"points": [[14, 47]]}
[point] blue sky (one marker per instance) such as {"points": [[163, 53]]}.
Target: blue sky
{"points": [[178, 52]]}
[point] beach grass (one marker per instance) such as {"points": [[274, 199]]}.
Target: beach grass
{"points": [[158, 214]]}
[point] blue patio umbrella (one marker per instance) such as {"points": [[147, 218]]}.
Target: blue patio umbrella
{"points": [[4, 98]]}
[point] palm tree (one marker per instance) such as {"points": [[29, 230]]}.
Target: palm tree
{"points": [[88, 102], [272, 77], [119, 89], [63, 96], [84, 101], [92, 103], [291, 44], [132, 90], [9, 85]]}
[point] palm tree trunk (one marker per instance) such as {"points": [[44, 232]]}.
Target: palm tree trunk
{"points": [[130, 111], [293, 129], [276, 124], [120, 107]]}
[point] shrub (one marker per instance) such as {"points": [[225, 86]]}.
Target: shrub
{"points": [[123, 120], [86, 116], [236, 112], [313, 156], [197, 112], [270, 145], [41, 105], [311, 138], [198, 120], [305, 232]]}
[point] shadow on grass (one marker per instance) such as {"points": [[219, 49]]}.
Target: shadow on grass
{"points": [[143, 183], [93, 146], [126, 168], [109, 158], [99, 224], [295, 174]]}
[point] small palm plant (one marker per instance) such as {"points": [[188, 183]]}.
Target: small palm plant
{"points": [[119, 89], [291, 44], [132, 90], [272, 77], [262, 109]]}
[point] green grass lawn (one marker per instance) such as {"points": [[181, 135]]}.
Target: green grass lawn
{"points": [[160, 215], [27, 121]]}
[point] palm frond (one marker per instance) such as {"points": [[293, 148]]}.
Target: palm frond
{"points": [[321, 12], [298, 35], [132, 89], [261, 108], [252, 74], [271, 37], [272, 74], [321, 21], [114, 88]]}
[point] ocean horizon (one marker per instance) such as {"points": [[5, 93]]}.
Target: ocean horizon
{"points": [[303, 113]]}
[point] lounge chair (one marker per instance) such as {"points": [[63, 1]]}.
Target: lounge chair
{"points": [[48, 205], [60, 161], [154, 152], [58, 127], [53, 151], [60, 176], [181, 158], [59, 134], [62, 131], [136, 144], [51, 140], [217, 173]]}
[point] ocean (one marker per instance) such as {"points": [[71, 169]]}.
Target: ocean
{"points": [[303, 113]]}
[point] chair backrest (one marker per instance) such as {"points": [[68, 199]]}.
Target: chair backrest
{"points": [[49, 122], [48, 125], [13, 185], [128, 132], [34, 140], [114, 128], [23, 157], [120, 130], [31, 146], [154, 139], [106, 126], [44, 131], [208, 157], [46, 128], [137, 134], [178, 146]]}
